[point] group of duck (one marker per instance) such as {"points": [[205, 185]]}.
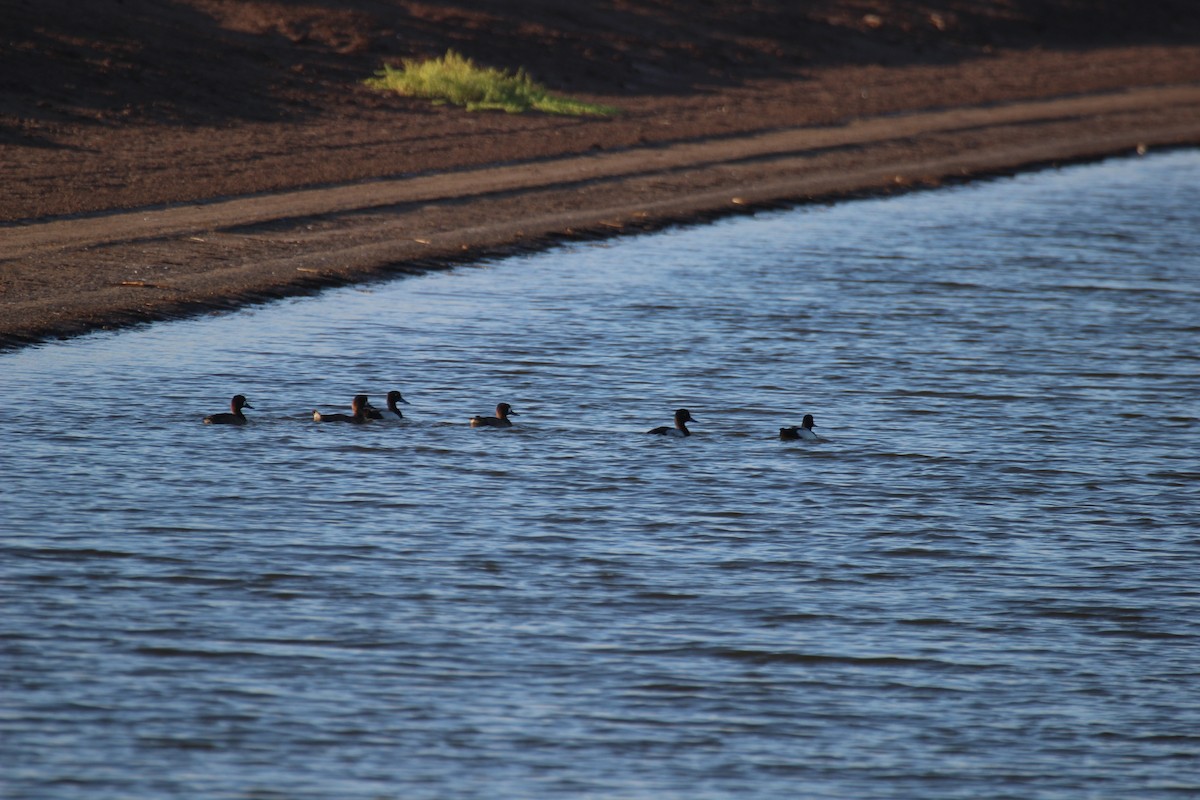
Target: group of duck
{"points": [[363, 412]]}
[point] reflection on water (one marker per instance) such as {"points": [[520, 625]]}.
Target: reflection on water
{"points": [[982, 583]]}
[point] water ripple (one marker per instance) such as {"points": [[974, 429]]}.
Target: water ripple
{"points": [[980, 583]]}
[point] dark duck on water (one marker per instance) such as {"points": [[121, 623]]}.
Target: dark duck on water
{"points": [[682, 417], [803, 431], [501, 420], [359, 405], [393, 410], [232, 417]]}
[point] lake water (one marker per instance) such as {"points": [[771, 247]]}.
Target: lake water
{"points": [[984, 582]]}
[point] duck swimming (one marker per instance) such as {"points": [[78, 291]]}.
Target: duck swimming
{"points": [[501, 420], [393, 411], [234, 417], [682, 417], [804, 431], [359, 405]]}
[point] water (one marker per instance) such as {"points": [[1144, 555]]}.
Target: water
{"points": [[983, 583]]}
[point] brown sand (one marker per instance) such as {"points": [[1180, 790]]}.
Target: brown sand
{"points": [[164, 159]]}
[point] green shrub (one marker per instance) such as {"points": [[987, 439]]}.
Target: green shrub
{"points": [[458, 80]]}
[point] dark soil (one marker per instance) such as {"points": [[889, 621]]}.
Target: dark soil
{"points": [[112, 105]]}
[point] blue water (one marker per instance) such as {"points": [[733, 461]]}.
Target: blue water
{"points": [[983, 582]]}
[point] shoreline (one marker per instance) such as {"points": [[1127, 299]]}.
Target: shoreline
{"points": [[108, 269]]}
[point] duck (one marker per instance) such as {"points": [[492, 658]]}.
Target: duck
{"points": [[501, 420], [234, 417], [682, 417], [362, 412], [392, 411], [803, 431]]}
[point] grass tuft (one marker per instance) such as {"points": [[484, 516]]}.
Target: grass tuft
{"points": [[458, 80]]}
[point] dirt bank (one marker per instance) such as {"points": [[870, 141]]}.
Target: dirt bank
{"points": [[166, 158]]}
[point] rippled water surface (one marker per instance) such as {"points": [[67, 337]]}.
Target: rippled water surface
{"points": [[982, 583]]}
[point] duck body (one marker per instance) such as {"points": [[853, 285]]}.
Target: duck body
{"points": [[232, 417], [359, 405], [501, 420], [393, 409], [803, 431], [682, 418]]}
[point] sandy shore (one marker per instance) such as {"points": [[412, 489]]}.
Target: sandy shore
{"points": [[119, 224]]}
